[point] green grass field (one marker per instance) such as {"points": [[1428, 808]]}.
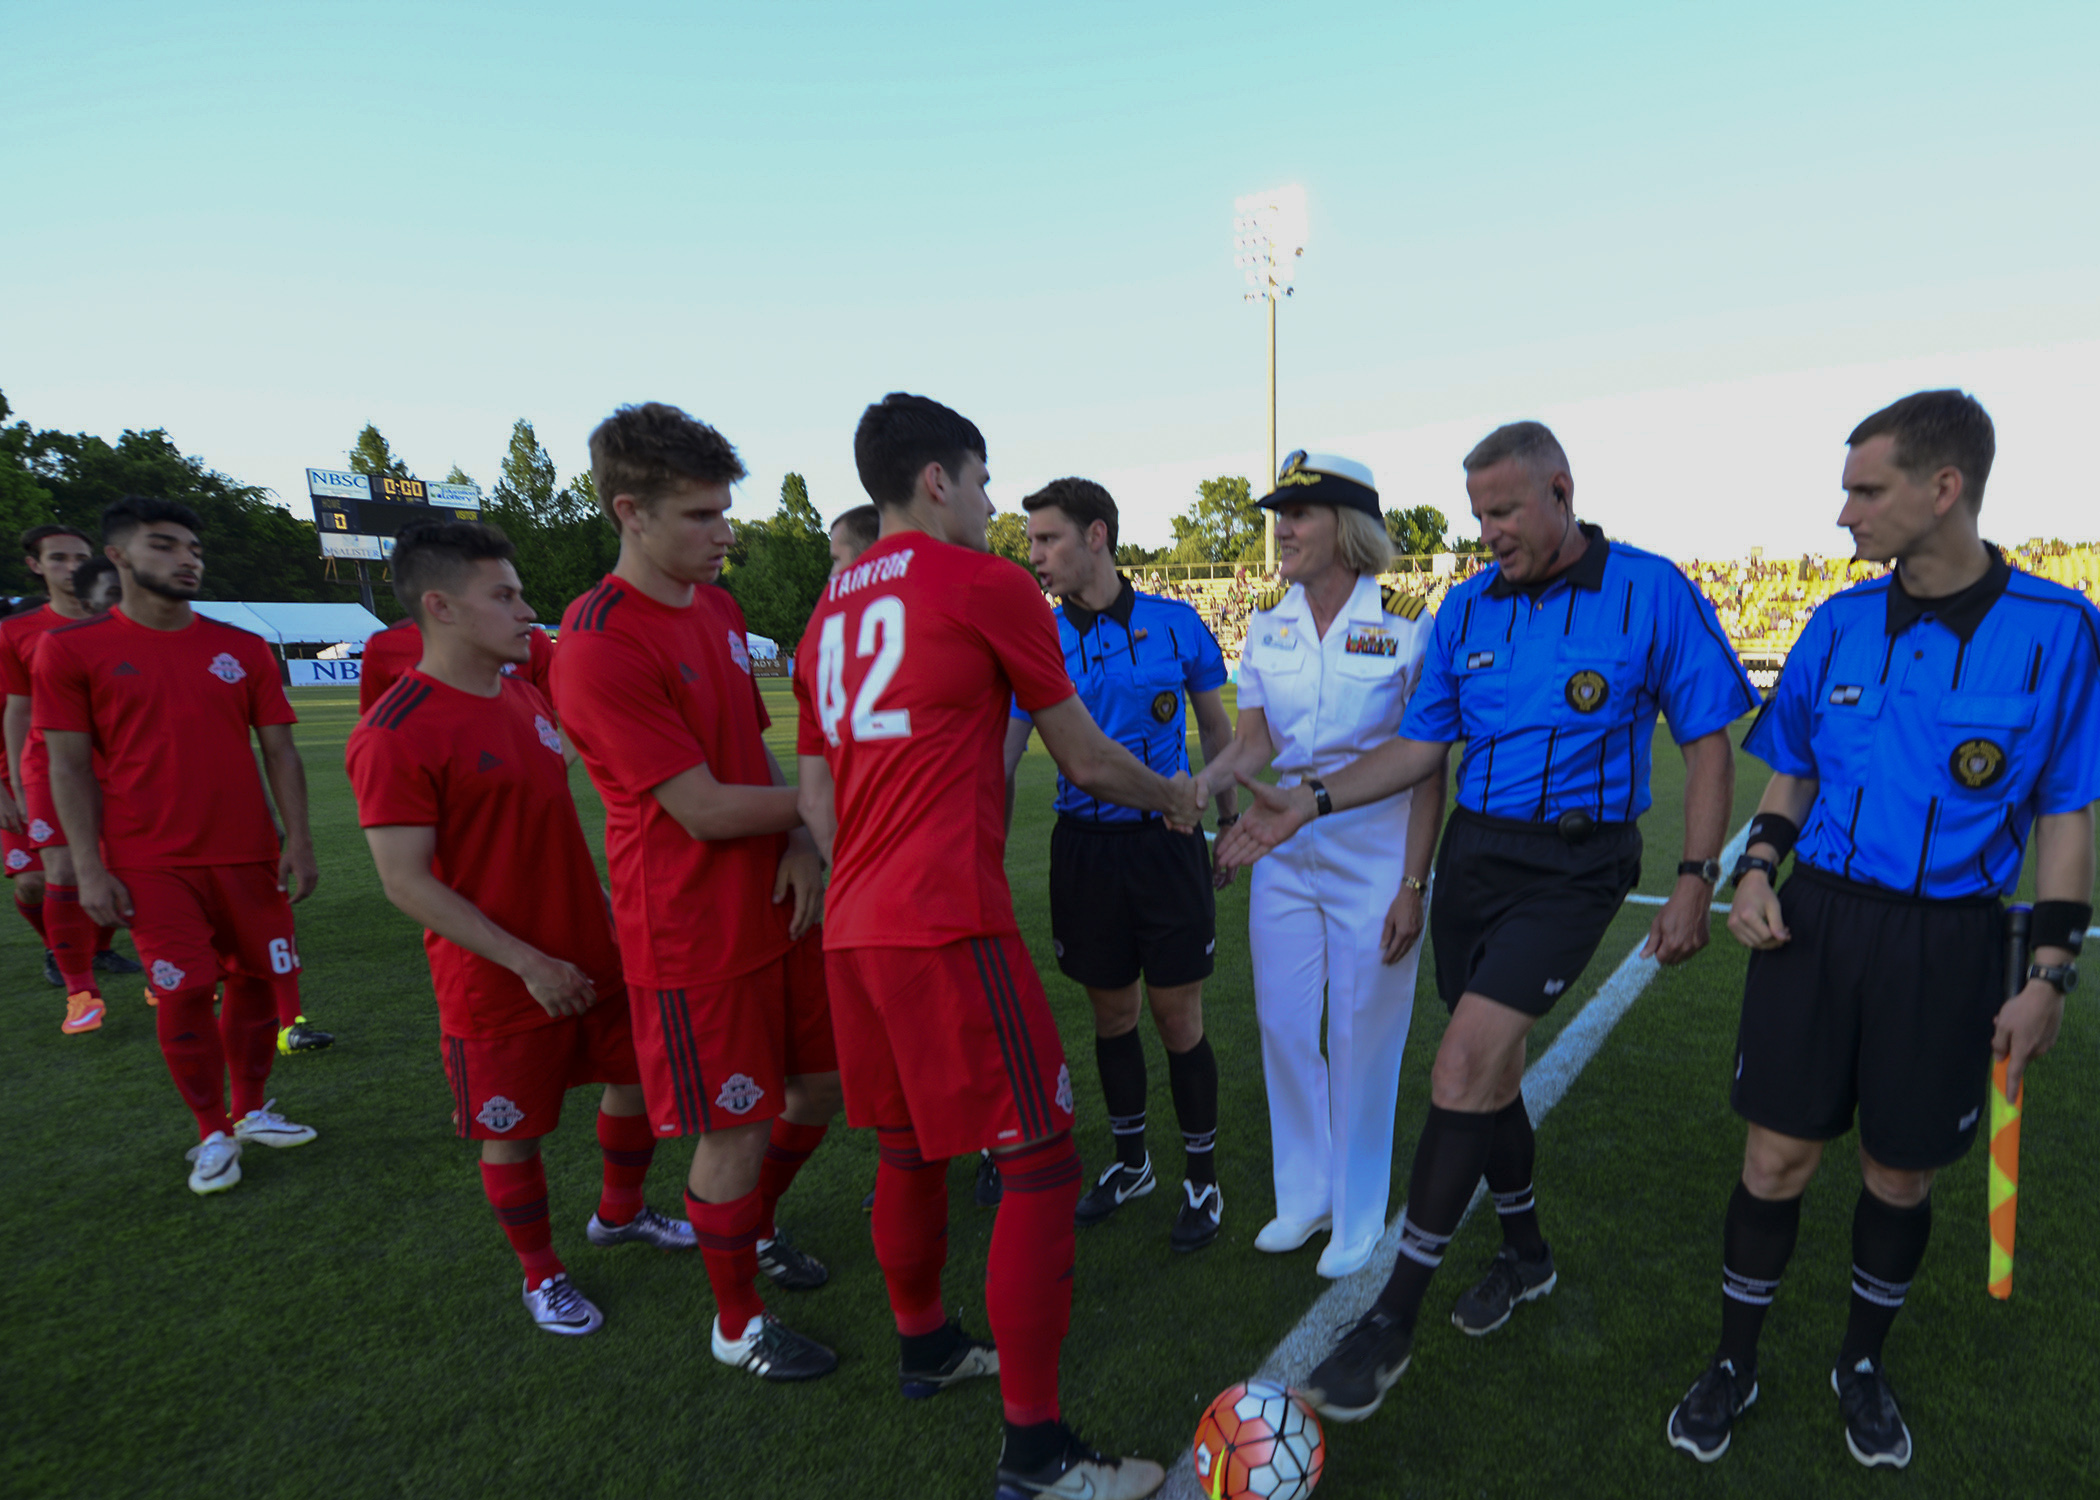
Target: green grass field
{"points": [[346, 1321]]}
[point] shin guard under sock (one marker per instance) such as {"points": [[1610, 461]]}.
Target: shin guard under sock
{"points": [[196, 1058], [1511, 1155], [787, 1148], [628, 1145], [911, 1231], [517, 1190], [1757, 1244], [1121, 1060], [1449, 1159], [1028, 1276], [1888, 1246], [728, 1236], [1193, 1075]]}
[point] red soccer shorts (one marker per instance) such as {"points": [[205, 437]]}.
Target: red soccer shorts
{"points": [[956, 1042], [510, 1087], [717, 1056], [185, 920], [18, 854], [40, 813]]}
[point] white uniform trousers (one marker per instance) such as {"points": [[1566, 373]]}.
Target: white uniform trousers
{"points": [[1317, 908]]}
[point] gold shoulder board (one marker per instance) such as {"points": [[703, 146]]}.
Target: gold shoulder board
{"points": [[1268, 599], [1406, 606]]}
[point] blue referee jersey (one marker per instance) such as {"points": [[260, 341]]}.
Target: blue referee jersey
{"points": [[1132, 663], [1937, 730], [1555, 690]]}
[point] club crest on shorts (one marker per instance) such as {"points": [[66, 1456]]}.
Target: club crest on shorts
{"points": [[740, 1094], [1163, 706], [549, 735], [166, 976], [1977, 763], [39, 831], [739, 652], [1586, 692], [500, 1114], [227, 667], [18, 859], [1064, 1087]]}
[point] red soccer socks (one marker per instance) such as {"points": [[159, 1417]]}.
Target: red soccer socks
{"points": [[911, 1231], [628, 1145], [787, 1148], [72, 938], [517, 1190], [189, 1041], [248, 1032], [1028, 1278], [728, 1237], [33, 914]]}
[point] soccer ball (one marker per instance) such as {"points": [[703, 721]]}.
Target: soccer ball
{"points": [[1259, 1441]]}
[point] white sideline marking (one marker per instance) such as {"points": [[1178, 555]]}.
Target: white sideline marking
{"points": [[1546, 1080]]}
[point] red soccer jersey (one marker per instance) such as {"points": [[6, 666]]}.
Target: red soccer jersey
{"points": [[488, 775], [170, 712], [904, 679], [647, 692], [392, 651], [19, 637]]}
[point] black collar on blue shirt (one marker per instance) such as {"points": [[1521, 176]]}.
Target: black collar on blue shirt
{"points": [[1586, 572], [1960, 613], [1118, 610]]}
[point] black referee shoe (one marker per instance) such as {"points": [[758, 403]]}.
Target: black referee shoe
{"points": [[1118, 1185], [1348, 1384], [1703, 1421], [1202, 1209], [1874, 1429], [1487, 1304]]}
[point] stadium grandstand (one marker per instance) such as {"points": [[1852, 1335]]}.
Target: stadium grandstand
{"points": [[1762, 602]]}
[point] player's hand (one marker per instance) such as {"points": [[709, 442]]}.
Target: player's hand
{"points": [[1185, 814], [1403, 925], [561, 988], [10, 812], [1680, 928], [1272, 816], [103, 897], [1754, 919], [297, 872], [1220, 873], [801, 872], [2026, 1028]]}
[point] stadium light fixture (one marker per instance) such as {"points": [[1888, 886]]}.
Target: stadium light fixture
{"points": [[1268, 237]]}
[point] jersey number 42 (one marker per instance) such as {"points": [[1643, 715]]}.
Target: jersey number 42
{"points": [[882, 637]]}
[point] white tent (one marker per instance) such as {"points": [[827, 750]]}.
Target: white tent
{"points": [[296, 624]]}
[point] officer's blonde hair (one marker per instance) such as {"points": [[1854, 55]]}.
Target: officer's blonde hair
{"points": [[1360, 542]]}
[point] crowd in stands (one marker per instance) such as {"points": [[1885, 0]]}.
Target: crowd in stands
{"points": [[1762, 602]]}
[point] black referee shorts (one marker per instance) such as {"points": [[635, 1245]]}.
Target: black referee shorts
{"points": [[1519, 911], [1131, 898], [1882, 1002]]}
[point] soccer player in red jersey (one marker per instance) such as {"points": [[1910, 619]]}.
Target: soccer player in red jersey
{"points": [[463, 791], [35, 851], [392, 651], [904, 679], [178, 841], [716, 888]]}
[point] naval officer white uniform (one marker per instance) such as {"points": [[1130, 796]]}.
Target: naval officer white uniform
{"points": [[1336, 911]]}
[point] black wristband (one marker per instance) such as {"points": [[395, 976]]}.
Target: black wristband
{"points": [[1776, 829], [1322, 803], [1745, 863], [1227, 821], [2060, 924]]}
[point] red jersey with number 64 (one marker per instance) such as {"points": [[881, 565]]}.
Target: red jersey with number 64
{"points": [[904, 679]]}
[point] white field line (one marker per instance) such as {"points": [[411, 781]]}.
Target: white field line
{"points": [[1545, 1082]]}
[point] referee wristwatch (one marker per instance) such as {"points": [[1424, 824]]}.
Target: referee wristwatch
{"points": [[1708, 870], [1322, 803], [2063, 976]]}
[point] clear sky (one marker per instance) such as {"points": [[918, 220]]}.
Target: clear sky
{"points": [[1701, 240]]}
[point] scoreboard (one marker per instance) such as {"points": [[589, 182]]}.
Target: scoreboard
{"points": [[359, 515]]}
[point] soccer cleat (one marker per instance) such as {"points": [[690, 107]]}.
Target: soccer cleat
{"points": [[867, 1204], [51, 974], [771, 1350], [558, 1307], [988, 1189], [266, 1127], [83, 1013], [1079, 1472], [1197, 1223], [1701, 1423], [646, 1228], [300, 1037], [966, 1359], [1118, 1185], [1348, 1384], [1280, 1236], [790, 1267], [151, 998], [218, 1163], [110, 961], [1874, 1429], [1486, 1306]]}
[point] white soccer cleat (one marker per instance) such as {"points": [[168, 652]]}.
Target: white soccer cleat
{"points": [[218, 1163], [266, 1127], [558, 1307], [646, 1228]]}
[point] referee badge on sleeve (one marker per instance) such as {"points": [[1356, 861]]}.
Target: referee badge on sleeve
{"points": [[1586, 692], [1163, 706], [1977, 763]]}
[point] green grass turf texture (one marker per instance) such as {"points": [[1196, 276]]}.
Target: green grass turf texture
{"points": [[347, 1322]]}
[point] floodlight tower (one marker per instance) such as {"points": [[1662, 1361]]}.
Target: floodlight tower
{"points": [[1268, 236]]}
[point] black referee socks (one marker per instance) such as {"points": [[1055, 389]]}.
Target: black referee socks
{"points": [[1450, 1157], [1121, 1060], [1888, 1246], [1757, 1244], [1510, 1159], [1194, 1076]]}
